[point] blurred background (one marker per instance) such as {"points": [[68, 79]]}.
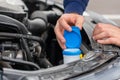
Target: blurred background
{"points": [[107, 8]]}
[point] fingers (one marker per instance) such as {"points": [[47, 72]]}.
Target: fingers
{"points": [[79, 21], [59, 35], [101, 31], [62, 44], [106, 34], [64, 23], [98, 29], [101, 35], [107, 41], [111, 40]]}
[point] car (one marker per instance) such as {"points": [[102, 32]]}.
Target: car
{"points": [[29, 49]]}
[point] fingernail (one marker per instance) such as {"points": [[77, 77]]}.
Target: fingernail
{"points": [[63, 41], [64, 47], [70, 29]]}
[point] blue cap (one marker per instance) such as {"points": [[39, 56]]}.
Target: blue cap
{"points": [[73, 38], [71, 52]]}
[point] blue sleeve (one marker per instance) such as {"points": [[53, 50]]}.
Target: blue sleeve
{"points": [[75, 6]]}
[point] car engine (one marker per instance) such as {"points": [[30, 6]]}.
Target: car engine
{"points": [[28, 42], [25, 28]]}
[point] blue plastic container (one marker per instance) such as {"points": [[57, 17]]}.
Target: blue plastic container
{"points": [[73, 43], [73, 38]]}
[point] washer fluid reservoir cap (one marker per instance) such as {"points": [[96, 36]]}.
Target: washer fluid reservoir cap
{"points": [[73, 38]]}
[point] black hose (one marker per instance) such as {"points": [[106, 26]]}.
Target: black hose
{"points": [[44, 63], [20, 62], [39, 20], [17, 24], [37, 23], [37, 26], [27, 50], [19, 36], [50, 16], [15, 35]]}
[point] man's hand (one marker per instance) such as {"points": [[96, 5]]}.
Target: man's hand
{"points": [[64, 23], [107, 34]]}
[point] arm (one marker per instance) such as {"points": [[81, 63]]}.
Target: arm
{"points": [[75, 6], [73, 16]]}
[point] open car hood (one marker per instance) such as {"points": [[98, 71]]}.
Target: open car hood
{"points": [[101, 60]]}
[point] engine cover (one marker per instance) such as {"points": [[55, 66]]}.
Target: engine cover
{"points": [[13, 8]]}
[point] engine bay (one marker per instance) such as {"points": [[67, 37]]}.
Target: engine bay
{"points": [[28, 42], [27, 36]]}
